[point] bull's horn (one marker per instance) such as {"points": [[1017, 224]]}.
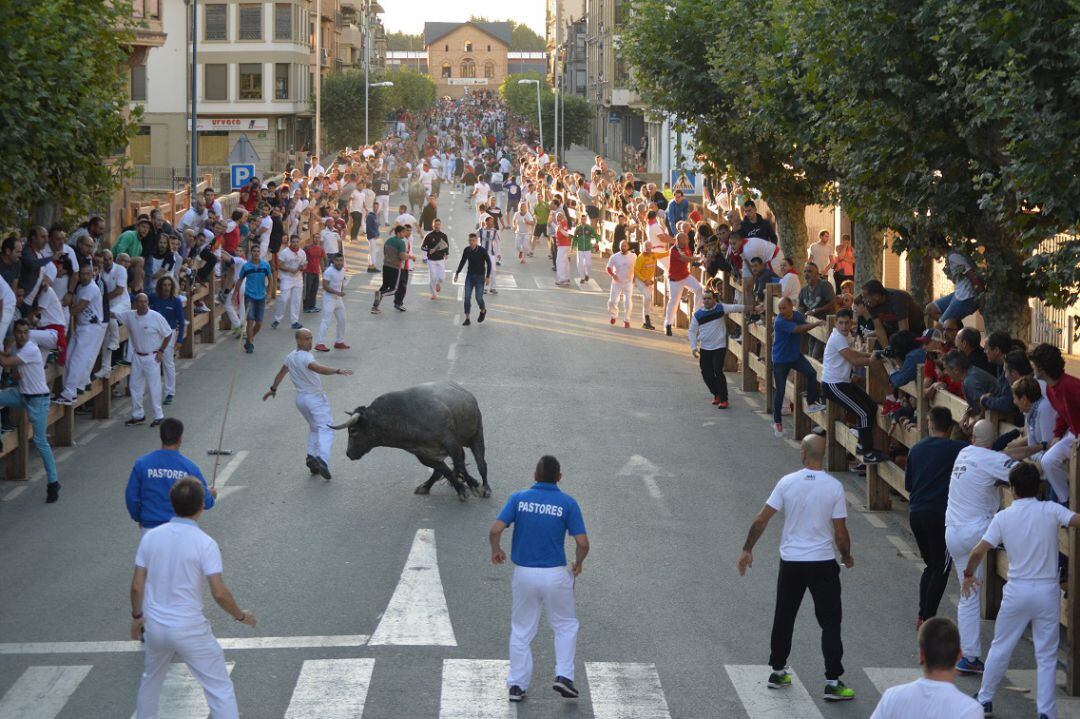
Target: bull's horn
{"points": [[348, 423]]}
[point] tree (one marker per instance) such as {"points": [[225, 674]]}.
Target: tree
{"points": [[400, 41], [523, 38], [343, 108], [521, 100], [411, 91], [66, 105]]}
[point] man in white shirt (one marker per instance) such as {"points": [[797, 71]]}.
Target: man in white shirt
{"points": [[173, 564], [836, 367], [821, 253], [405, 218], [973, 501], [291, 263], [7, 307], [194, 219], [329, 238], [262, 234], [815, 515], [50, 326], [620, 267], [311, 400], [87, 314], [150, 336], [1028, 528], [316, 168], [32, 395], [962, 301], [481, 192], [333, 283], [114, 278], [934, 695], [427, 177]]}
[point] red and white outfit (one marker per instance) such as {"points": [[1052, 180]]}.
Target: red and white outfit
{"points": [[562, 253], [767, 252], [1065, 399], [678, 277]]}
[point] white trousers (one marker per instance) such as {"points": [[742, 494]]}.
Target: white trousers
{"points": [[145, 372], [647, 297], [436, 274], [198, 648], [552, 587], [1055, 465], [384, 205], [624, 291], [110, 343], [168, 365], [1035, 602], [562, 264], [316, 410], [960, 541], [675, 288], [289, 297], [493, 249], [235, 311], [584, 261], [82, 352], [44, 339], [373, 251], [333, 309]]}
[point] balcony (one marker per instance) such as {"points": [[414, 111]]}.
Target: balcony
{"points": [[352, 36], [622, 96], [149, 32]]}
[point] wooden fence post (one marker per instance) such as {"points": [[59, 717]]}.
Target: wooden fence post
{"points": [[772, 291], [210, 328], [749, 379], [187, 348], [921, 405]]}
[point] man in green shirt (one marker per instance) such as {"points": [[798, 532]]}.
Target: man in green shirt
{"points": [[395, 253], [130, 242], [541, 212], [582, 241]]}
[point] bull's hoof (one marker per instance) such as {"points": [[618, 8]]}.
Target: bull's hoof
{"points": [[476, 491], [422, 489], [485, 491], [463, 496]]}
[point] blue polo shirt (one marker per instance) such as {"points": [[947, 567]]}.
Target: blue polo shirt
{"points": [[786, 344], [154, 474], [542, 517]]}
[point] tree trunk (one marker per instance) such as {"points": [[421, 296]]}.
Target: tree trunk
{"points": [[1006, 305], [920, 277], [869, 254], [791, 227]]}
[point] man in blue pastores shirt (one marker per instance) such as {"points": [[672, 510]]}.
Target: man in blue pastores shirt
{"points": [[926, 478], [154, 474], [788, 328], [542, 517]]}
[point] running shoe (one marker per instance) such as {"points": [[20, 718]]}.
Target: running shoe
{"points": [[969, 666], [816, 407], [780, 679], [565, 687], [321, 348], [838, 692], [778, 430], [517, 694]]}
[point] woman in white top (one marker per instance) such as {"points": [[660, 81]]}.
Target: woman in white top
{"points": [[522, 223]]}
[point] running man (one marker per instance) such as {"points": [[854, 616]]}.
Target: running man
{"points": [[253, 276], [436, 247], [333, 283], [477, 275], [311, 400], [621, 269]]}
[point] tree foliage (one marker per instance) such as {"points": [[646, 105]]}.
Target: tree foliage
{"points": [[575, 113], [65, 98], [399, 41], [412, 91], [343, 109]]}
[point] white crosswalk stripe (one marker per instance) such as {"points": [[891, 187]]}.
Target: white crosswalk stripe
{"points": [[475, 689], [331, 689], [760, 702], [417, 614], [182, 695], [886, 678], [626, 691], [1067, 707], [41, 692]]}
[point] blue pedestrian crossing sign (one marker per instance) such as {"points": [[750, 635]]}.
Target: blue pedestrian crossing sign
{"points": [[684, 180], [240, 175]]}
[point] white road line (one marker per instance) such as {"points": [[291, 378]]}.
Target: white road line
{"points": [[320, 642], [89, 437], [854, 500], [475, 689], [417, 614], [227, 472], [182, 695], [451, 352], [760, 702], [41, 692], [903, 547], [1024, 679], [13, 494], [874, 520], [887, 677], [626, 691], [331, 689]]}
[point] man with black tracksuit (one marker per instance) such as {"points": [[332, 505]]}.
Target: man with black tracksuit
{"points": [[926, 478], [476, 276]]}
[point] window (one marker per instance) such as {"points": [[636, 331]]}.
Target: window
{"points": [[489, 69], [214, 147], [140, 146], [216, 25], [251, 22], [468, 46], [138, 83], [281, 81], [468, 68], [283, 17], [216, 82], [446, 72], [489, 48], [251, 81]]}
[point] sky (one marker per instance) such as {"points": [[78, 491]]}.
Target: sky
{"points": [[410, 15]]}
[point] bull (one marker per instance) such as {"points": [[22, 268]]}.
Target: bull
{"points": [[431, 421]]}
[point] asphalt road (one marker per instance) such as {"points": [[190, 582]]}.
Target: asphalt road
{"points": [[372, 599]]}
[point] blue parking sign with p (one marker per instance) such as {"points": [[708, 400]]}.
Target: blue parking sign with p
{"points": [[241, 174]]}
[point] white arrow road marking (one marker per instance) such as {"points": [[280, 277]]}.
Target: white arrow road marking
{"points": [[417, 614], [638, 466]]}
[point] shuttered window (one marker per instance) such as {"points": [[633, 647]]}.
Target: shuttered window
{"points": [[251, 81], [251, 22], [216, 26], [216, 82], [283, 26]]}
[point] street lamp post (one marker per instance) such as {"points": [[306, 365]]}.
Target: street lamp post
{"points": [[539, 119], [318, 82], [366, 86], [194, 142]]}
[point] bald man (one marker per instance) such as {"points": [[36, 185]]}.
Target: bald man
{"points": [[815, 528], [311, 400], [150, 336], [973, 501]]}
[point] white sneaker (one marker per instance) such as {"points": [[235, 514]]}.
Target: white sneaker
{"points": [[816, 407], [778, 430]]}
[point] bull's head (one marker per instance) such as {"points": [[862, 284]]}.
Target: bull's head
{"points": [[358, 441]]}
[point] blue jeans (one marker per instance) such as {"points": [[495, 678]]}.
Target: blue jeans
{"points": [[780, 372], [37, 410], [952, 308], [474, 283]]}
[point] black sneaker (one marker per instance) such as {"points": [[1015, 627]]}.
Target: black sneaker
{"points": [[873, 457], [517, 694], [467, 322], [52, 492], [667, 330], [312, 464], [157, 422], [374, 309], [483, 314], [565, 687], [399, 308], [324, 470], [134, 421]]}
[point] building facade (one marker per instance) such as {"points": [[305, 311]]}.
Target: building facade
{"points": [[467, 55]]}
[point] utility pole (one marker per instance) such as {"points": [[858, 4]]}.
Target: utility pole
{"points": [[318, 81], [194, 99]]}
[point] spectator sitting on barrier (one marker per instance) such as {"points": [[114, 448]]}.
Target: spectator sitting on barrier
{"points": [[789, 280], [892, 311], [969, 341], [817, 298], [754, 225], [788, 328], [963, 300], [974, 381], [1011, 365], [1039, 420], [839, 361], [762, 277]]}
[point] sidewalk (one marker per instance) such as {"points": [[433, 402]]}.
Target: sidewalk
{"points": [[580, 159]]}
